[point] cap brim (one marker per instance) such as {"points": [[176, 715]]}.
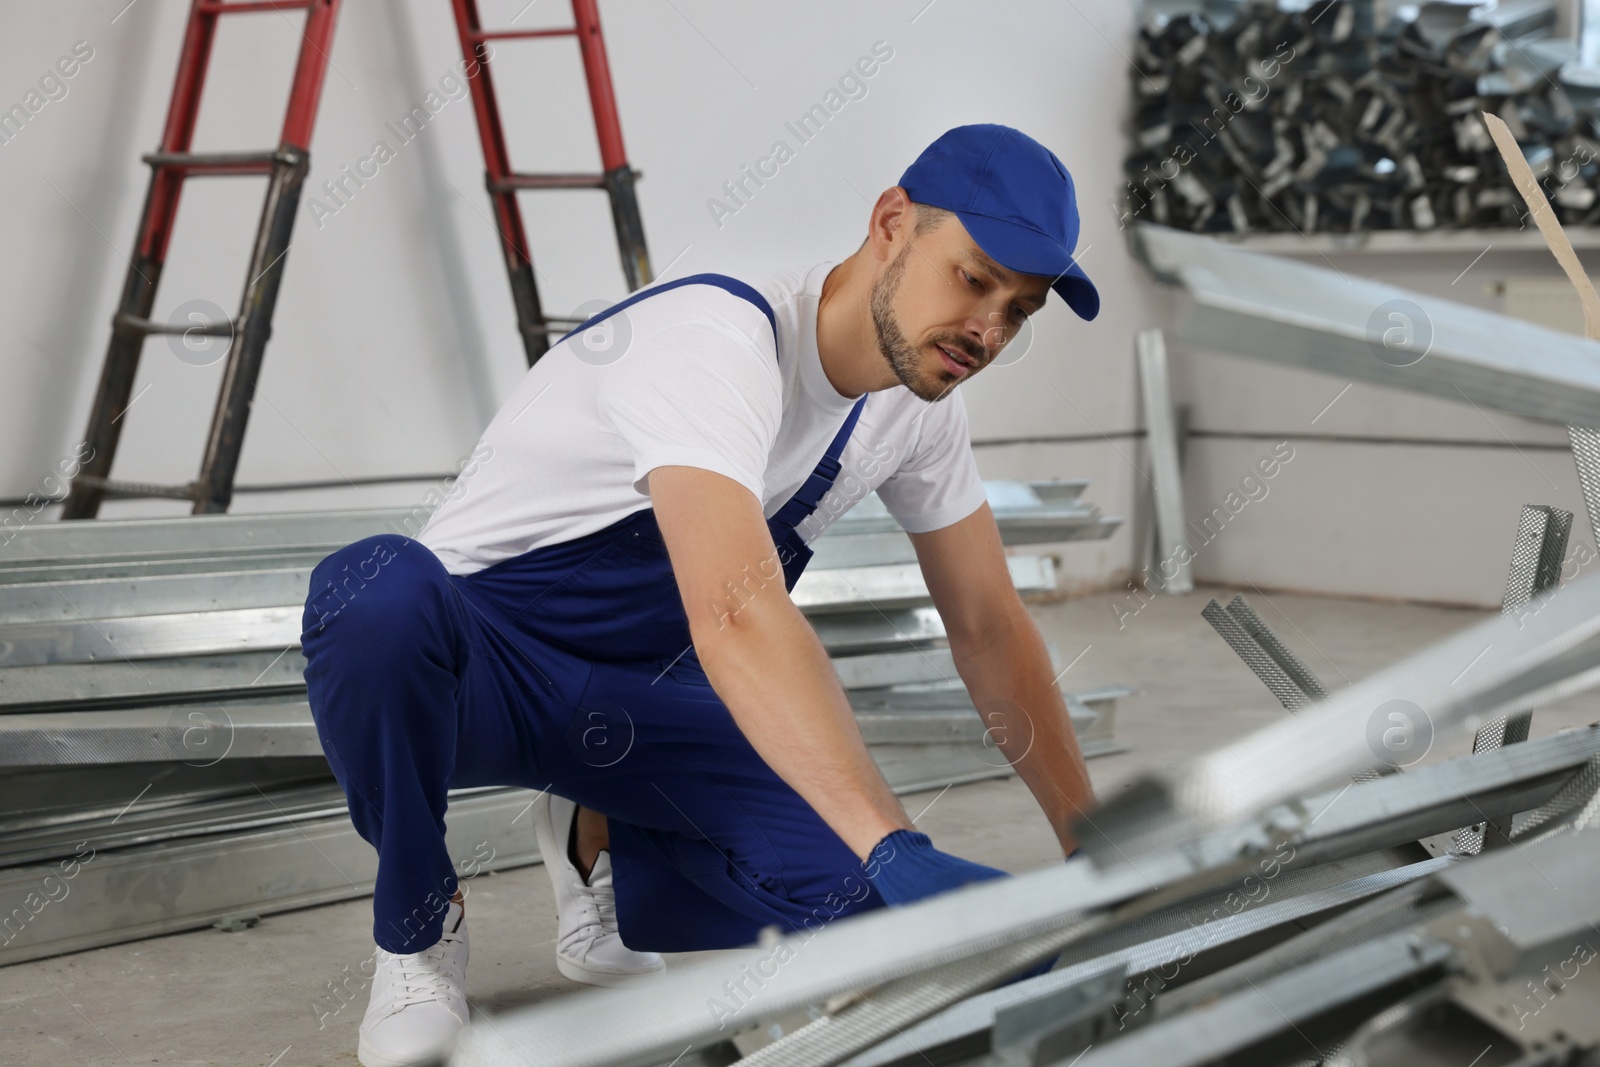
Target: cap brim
{"points": [[1078, 291], [1028, 251]]}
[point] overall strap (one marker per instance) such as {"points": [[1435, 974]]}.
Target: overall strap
{"points": [[721, 281], [805, 500]]}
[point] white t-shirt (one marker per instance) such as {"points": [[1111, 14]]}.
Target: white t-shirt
{"points": [[688, 377]]}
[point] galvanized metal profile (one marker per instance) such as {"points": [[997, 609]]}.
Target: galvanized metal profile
{"points": [[139, 568], [164, 817], [868, 950], [1536, 560], [1434, 798], [1269, 308], [116, 682], [316, 533], [194, 733], [1264, 652], [62, 599], [1536, 556], [1026, 512], [862, 633], [1482, 670], [880, 947], [1234, 1023], [1292, 665], [308, 531], [1586, 456], [83, 639], [1290, 904], [1161, 442], [1494, 886], [897, 1004], [1498, 918], [310, 862], [921, 743], [1574, 807], [1261, 662], [191, 633], [899, 585], [895, 668], [1404, 907]]}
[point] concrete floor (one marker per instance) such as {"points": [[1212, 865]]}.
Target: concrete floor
{"points": [[247, 999]]}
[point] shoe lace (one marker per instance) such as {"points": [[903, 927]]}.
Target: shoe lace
{"points": [[599, 909], [421, 978]]}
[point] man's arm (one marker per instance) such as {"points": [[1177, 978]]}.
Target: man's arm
{"points": [[1003, 661], [762, 656]]}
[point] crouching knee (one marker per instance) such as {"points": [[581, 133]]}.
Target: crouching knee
{"points": [[370, 581]]}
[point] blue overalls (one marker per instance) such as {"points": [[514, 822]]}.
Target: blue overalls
{"points": [[568, 668]]}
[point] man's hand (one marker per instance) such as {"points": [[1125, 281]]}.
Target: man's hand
{"points": [[763, 658], [1003, 661], [906, 867]]}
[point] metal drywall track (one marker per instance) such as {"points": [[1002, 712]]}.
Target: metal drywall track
{"points": [[1268, 308], [129, 893]]}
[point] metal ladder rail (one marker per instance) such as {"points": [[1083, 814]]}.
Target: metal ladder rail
{"points": [[617, 177], [174, 163]]}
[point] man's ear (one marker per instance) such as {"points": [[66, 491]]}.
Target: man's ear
{"points": [[893, 217]]}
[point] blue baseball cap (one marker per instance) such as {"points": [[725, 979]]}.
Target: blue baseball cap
{"points": [[1015, 199]]}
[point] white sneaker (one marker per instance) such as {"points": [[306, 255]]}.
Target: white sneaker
{"points": [[419, 1000], [588, 947]]}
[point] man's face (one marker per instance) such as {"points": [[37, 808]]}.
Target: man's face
{"points": [[943, 309]]}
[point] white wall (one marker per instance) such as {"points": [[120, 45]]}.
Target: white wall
{"points": [[394, 336]]}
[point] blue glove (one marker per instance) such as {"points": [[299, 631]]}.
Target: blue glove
{"points": [[906, 867]]}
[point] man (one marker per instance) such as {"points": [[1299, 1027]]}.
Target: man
{"points": [[600, 611]]}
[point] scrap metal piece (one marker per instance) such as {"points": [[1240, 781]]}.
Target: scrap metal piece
{"points": [[1573, 808], [1208, 1034], [316, 859], [1161, 438], [1536, 556], [1199, 930], [907, 1000], [1264, 652], [1516, 952], [1268, 308], [1556, 651], [1586, 454], [1256, 657], [1259, 645], [698, 1003], [705, 1001], [1273, 645], [1536, 559]]}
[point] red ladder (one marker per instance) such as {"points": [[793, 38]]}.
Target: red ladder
{"points": [[286, 168], [616, 177]]}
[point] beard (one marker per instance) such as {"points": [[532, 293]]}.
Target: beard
{"points": [[903, 357]]}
